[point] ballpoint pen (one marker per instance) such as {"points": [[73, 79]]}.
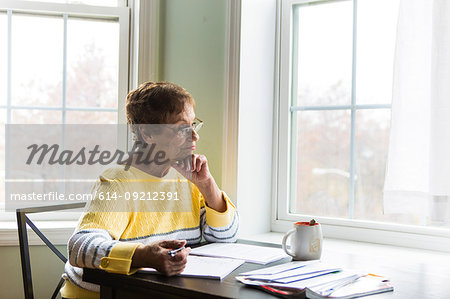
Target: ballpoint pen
{"points": [[174, 252]]}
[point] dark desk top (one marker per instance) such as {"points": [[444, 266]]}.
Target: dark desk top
{"points": [[410, 279], [184, 286]]}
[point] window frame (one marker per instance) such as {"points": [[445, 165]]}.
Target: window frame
{"points": [[360, 230], [122, 14]]}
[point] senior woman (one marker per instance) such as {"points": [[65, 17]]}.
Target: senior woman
{"points": [[123, 234]]}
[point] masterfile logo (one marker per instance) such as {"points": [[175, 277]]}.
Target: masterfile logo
{"points": [[48, 164]]}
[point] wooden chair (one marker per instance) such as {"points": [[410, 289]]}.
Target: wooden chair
{"points": [[22, 222]]}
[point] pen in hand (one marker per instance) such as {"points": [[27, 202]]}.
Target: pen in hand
{"points": [[174, 252]]}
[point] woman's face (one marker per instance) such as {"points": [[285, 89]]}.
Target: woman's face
{"points": [[171, 140]]}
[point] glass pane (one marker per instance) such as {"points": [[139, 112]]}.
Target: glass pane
{"points": [[88, 2], [3, 57], [323, 160], [91, 117], [36, 117], [37, 60], [371, 144], [375, 50], [92, 63], [324, 54]]}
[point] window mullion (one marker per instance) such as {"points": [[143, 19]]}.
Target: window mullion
{"points": [[316, 108], [64, 81], [351, 206], [340, 107]]}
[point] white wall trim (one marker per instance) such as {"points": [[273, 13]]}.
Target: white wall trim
{"points": [[148, 42], [231, 99], [276, 114], [60, 8], [133, 43], [373, 225], [58, 232], [144, 45], [124, 67], [143, 49], [256, 100]]}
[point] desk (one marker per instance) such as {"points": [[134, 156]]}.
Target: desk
{"points": [[411, 279], [142, 285]]}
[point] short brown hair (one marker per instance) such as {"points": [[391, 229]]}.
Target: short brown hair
{"points": [[155, 102]]}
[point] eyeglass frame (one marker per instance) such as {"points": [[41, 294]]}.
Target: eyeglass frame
{"points": [[184, 132], [196, 128]]}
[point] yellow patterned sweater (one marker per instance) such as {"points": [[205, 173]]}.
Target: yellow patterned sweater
{"points": [[131, 207]]}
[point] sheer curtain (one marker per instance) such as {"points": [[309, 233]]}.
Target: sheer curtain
{"points": [[418, 169]]}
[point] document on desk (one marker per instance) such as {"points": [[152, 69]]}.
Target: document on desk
{"points": [[280, 268], [205, 267], [302, 283], [249, 253], [363, 285], [291, 272], [315, 280]]}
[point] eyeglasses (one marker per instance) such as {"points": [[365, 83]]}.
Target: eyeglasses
{"points": [[187, 130], [197, 124]]}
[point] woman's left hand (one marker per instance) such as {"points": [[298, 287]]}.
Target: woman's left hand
{"points": [[194, 168]]}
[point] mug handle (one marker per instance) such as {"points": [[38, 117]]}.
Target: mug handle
{"points": [[283, 243]]}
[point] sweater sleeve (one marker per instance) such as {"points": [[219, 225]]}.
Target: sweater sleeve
{"points": [[95, 242], [219, 226]]}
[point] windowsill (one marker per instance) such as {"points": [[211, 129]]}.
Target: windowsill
{"points": [[332, 246], [58, 232]]}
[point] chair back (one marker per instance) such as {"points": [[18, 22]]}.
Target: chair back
{"points": [[22, 222]]}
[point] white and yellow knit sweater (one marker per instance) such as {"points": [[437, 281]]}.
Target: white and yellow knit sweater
{"points": [[110, 230]]}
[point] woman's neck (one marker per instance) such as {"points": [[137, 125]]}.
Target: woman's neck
{"points": [[142, 159]]}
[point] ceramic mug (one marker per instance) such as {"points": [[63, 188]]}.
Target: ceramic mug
{"points": [[306, 242]]}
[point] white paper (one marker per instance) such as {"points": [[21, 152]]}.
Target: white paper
{"points": [[205, 267], [367, 284], [296, 273], [302, 284], [279, 268], [248, 253]]}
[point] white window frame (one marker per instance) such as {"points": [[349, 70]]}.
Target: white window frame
{"points": [[359, 230], [122, 14]]}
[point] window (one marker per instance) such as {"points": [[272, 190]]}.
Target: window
{"points": [[335, 88], [61, 64]]}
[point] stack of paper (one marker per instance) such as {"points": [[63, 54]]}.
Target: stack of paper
{"points": [[248, 253], [316, 279], [293, 274], [364, 285], [205, 267]]}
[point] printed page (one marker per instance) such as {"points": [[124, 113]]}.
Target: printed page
{"points": [[312, 282], [366, 285], [249, 253], [297, 273], [280, 268], [205, 267]]}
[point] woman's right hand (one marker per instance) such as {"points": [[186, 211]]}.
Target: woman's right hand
{"points": [[156, 255]]}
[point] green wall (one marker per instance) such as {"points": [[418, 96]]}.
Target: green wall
{"points": [[45, 266], [192, 55]]}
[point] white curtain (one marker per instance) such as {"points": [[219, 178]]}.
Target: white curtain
{"points": [[418, 170]]}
